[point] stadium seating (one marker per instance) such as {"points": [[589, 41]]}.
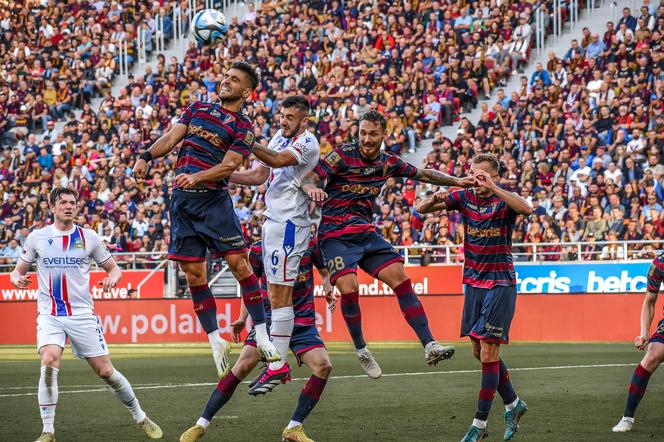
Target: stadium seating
{"points": [[423, 68]]}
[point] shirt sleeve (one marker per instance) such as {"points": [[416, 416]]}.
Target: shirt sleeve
{"points": [[303, 151], [454, 200], [29, 252], [256, 260], [400, 168], [185, 118], [244, 138], [98, 251], [655, 277], [332, 164]]}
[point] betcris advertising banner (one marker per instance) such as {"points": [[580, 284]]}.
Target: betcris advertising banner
{"points": [[595, 277]]}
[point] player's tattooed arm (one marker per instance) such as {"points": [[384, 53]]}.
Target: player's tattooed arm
{"points": [[253, 177], [311, 184], [432, 176], [163, 146], [275, 159], [432, 204]]}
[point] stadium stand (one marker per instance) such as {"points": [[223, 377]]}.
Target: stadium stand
{"points": [[585, 149]]}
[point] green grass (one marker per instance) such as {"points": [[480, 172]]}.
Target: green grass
{"points": [[571, 404]]}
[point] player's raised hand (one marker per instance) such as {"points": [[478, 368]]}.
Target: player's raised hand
{"points": [[140, 169], [438, 197], [186, 180], [237, 327], [467, 181], [483, 179], [317, 195], [19, 281], [641, 342]]}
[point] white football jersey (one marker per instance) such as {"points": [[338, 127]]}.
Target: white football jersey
{"points": [[285, 199], [63, 268]]}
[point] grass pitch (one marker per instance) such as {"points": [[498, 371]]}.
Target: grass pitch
{"points": [[575, 392]]}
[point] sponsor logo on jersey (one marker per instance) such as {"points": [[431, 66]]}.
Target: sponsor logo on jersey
{"points": [[208, 136], [215, 113], [358, 188], [332, 159], [50, 241], [484, 233], [249, 137], [78, 244], [63, 260]]}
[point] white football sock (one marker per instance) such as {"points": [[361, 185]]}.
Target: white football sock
{"points": [[359, 351], [510, 407], [283, 321], [47, 395], [479, 424], [122, 390], [203, 422], [293, 424], [261, 333], [213, 336]]}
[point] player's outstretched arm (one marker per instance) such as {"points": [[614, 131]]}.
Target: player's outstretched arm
{"points": [[232, 161], [253, 177], [311, 185], [238, 325], [274, 159], [516, 202], [328, 289], [432, 204], [432, 176], [163, 146], [19, 277], [647, 313], [114, 274]]}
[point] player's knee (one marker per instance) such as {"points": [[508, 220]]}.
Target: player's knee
{"points": [[241, 268], [489, 353], [50, 359], [242, 368], [323, 369], [196, 275], [104, 371], [652, 360]]}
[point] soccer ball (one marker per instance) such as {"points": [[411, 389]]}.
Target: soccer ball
{"points": [[209, 26]]}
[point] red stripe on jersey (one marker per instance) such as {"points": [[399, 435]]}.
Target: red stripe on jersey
{"points": [[477, 216], [487, 250], [348, 230], [193, 161], [65, 294], [65, 243], [304, 321], [50, 292], [488, 266]]}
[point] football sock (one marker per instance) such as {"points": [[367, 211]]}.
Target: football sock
{"points": [[205, 307], [505, 389], [490, 378], [253, 299], [281, 330], [220, 395], [203, 422], [350, 310], [293, 424], [412, 310], [47, 395], [637, 388], [309, 397], [122, 390]]}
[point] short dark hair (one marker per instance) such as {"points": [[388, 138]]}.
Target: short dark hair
{"points": [[488, 158], [57, 193], [298, 101], [374, 117], [249, 71]]}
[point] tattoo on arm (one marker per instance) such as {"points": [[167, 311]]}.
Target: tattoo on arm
{"points": [[432, 176], [266, 151]]}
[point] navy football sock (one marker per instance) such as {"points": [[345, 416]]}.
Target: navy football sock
{"points": [[412, 310], [505, 389], [309, 397], [205, 307], [490, 378], [350, 310], [253, 299], [637, 388], [220, 395]]}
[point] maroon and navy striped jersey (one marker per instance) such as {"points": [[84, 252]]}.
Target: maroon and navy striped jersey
{"points": [[353, 183], [656, 274], [211, 132], [488, 225], [303, 290]]}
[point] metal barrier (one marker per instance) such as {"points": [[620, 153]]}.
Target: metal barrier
{"points": [[540, 29], [141, 45], [123, 58], [159, 43]]}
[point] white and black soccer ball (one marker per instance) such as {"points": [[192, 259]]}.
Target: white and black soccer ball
{"points": [[209, 26]]}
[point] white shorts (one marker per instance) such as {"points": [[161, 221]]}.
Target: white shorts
{"points": [[84, 333], [284, 244]]}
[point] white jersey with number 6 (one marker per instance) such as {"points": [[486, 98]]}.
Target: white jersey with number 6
{"points": [[63, 268], [285, 199]]}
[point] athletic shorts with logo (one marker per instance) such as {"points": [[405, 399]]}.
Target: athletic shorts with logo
{"points": [[302, 340], [368, 250], [488, 313], [202, 221], [284, 244], [84, 333]]}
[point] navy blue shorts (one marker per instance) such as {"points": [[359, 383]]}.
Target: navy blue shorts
{"points": [[302, 340], [488, 313], [202, 221], [369, 250], [658, 336]]}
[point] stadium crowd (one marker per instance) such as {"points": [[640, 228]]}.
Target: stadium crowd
{"points": [[581, 138]]}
